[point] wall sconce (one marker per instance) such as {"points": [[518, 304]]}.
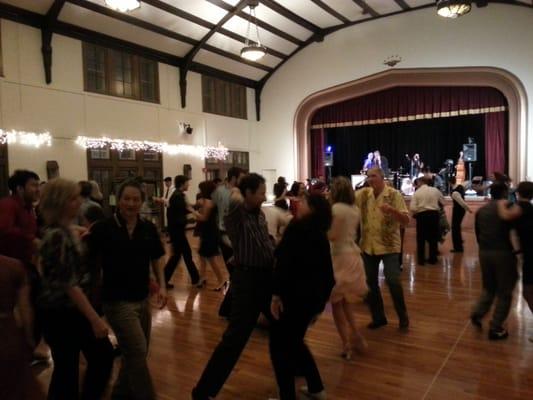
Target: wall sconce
{"points": [[185, 128], [391, 61]]}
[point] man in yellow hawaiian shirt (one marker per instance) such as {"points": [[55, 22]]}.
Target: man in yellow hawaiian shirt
{"points": [[383, 211]]}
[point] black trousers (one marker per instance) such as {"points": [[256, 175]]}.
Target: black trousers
{"points": [[457, 238], [427, 230], [251, 295], [227, 253], [290, 354], [181, 247], [68, 332]]}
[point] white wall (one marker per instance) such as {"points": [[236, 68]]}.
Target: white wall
{"points": [[66, 111], [496, 36]]}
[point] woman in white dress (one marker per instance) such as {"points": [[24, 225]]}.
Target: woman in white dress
{"points": [[350, 279]]}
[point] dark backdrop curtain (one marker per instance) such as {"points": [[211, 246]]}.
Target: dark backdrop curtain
{"points": [[495, 142], [435, 140], [317, 152]]}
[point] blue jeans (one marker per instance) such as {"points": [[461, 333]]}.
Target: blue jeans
{"points": [[392, 273]]}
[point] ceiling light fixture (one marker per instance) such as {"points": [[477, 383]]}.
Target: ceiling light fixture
{"points": [[253, 51], [123, 5], [453, 8]]}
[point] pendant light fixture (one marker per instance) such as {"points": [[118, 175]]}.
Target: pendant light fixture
{"points": [[453, 8], [123, 5], [253, 51]]}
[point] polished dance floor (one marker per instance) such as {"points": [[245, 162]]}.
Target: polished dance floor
{"points": [[441, 357]]}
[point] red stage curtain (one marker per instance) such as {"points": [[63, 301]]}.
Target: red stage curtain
{"points": [[410, 103], [495, 131], [317, 152]]}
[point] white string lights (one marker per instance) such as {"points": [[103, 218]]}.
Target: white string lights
{"points": [[220, 152], [26, 138]]}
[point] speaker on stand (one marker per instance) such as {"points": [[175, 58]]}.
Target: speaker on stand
{"points": [[328, 163], [470, 156]]}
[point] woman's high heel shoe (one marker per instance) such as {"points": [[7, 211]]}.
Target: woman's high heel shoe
{"points": [[201, 283], [347, 352], [223, 286]]}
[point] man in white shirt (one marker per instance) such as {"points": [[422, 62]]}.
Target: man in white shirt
{"points": [[424, 206], [167, 193]]}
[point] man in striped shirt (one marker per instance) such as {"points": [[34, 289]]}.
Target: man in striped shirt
{"points": [[251, 281]]}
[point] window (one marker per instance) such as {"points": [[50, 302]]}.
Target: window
{"points": [[117, 73], [223, 98]]}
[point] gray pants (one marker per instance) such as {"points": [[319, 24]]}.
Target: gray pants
{"points": [[131, 322], [499, 274]]}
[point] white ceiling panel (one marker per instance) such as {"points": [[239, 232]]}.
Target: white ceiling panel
{"points": [[384, 6], [234, 67], [233, 46], [273, 18], [311, 12], [121, 30], [165, 20], [38, 6], [418, 3], [239, 25], [347, 8], [200, 8]]}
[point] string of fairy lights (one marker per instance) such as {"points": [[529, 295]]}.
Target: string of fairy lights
{"points": [[45, 139]]}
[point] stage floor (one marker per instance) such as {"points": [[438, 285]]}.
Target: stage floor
{"points": [[441, 357]]}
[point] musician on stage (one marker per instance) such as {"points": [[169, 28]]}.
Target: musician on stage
{"points": [[381, 162], [416, 166], [369, 162]]}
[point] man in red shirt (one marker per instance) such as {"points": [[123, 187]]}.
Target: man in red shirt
{"points": [[18, 225]]}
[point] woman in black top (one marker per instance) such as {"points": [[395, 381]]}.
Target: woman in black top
{"points": [[209, 250], [127, 246], [303, 280], [70, 323]]}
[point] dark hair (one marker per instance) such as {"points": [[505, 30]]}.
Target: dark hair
{"points": [[295, 188], [281, 204], [320, 211], [206, 189], [250, 182], [234, 172], [19, 178], [498, 191], [180, 180], [85, 188], [525, 190], [279, 188], [216, 181], [93, 214], [168, 179], [134, 183], [453, 180]]}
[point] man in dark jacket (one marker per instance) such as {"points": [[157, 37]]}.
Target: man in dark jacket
{"points": [[177, 221]]}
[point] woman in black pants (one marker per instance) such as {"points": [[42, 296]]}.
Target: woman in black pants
{"points": [[303, 279], [69, 322]]}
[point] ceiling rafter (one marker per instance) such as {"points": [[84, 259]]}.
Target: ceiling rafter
{"points": [[47, 29], [206, 24], [162, 31], [187, 60], [366, 8], [403, 4], [267, 27], [290, 15], [331, 11]]}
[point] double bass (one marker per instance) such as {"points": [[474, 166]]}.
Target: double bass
{"points": [[460, 170]]}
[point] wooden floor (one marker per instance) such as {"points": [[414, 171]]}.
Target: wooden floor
{"points": [[441, 357]]}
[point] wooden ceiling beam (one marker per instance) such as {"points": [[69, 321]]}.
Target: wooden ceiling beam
{"points": [[403, 4], [366, 8], [290, 15], [206, 24], [162, 31], [47, 29], [267, 27], [331, 11]]}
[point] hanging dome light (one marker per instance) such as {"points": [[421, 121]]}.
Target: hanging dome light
{"points": [[453, 8], [252, 51], [123, 5]]}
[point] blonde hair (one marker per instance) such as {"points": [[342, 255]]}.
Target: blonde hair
{"points": [[55, 196], [95, 191], [342, 191]]}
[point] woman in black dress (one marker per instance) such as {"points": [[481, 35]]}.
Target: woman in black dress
{"points": [[303, 280], [209, 251]]}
